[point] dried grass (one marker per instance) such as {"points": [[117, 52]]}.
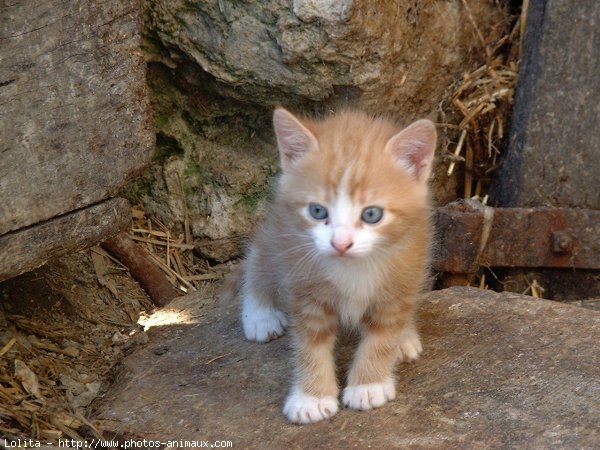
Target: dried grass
{"points": [[45, 337], [478, 109], [50, 347], [482, 102], [43, 413], [534, 289], [174, 253]]}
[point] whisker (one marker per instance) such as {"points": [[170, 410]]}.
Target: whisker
{"points": [[295, 248], [300, 263], [307, 261]]}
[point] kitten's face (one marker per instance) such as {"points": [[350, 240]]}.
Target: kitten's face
{"points": [[344, 221], [347, 216], [351, 183]]}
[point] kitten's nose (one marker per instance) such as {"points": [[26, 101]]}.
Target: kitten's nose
{"points": [[341, 245]]}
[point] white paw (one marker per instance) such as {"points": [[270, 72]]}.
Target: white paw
{"points": [[302, 408], [409, 345], [369, 396], [262, 324]]}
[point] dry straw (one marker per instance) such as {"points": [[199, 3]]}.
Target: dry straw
{"points": [[174, 253], [484, 99]]}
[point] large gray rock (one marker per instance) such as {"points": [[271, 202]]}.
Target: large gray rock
{"points": [[218, 68], [498, 370], [287, 51]]}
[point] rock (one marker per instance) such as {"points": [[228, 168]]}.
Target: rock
{"points": [[358, 44], [217, 70], [85, 398], [139, 338], [330, 11], [498, 370], [118, 338], [72, 386], [80, 394]]}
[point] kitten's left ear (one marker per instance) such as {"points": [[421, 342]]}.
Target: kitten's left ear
{"points": [[413, 148]]}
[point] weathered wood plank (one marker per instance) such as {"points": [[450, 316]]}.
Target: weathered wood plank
{"points": [[552, 159], [26, 249], [554, 144], [75, 121]]}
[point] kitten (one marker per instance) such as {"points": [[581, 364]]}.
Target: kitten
{"points": [[346, 243]]}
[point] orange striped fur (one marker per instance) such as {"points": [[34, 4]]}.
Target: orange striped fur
{"points": [[319, 274]]}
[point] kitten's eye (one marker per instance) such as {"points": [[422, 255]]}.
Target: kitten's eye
{"points": [[372, 214], [318, 212]]}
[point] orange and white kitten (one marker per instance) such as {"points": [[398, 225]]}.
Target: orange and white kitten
{"points": [[346, 242]]}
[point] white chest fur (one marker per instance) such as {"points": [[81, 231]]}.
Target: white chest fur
{"points": [[357, 283]]}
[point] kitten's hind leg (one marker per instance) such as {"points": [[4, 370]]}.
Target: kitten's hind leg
{"points": [[409, 344], [262, 322]]}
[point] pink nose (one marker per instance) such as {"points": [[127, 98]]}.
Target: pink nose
{"points": [[341, 246]]}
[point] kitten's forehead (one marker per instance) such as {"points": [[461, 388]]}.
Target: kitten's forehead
{"points": [[356, 181], [328, 181], [344, 186], [351, 162], [344, 202]]}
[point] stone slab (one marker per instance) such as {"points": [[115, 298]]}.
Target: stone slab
{"points": [[552, 159], [75, 119], [498, 371], [28, 248]]}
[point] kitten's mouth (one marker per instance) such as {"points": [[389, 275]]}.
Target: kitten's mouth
{"points": [[344, 256]]}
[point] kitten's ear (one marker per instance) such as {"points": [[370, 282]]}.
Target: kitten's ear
{"points": [[413, 148], [293, 139]]}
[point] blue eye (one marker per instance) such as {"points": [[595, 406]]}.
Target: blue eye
{"points": [[372, 214], [318, 212]]}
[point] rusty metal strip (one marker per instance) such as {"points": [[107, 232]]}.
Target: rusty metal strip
{"points": [[518, 237]]}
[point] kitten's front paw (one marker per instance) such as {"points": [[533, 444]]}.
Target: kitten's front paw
{"points": [[369, 396], [263, 324], [301, 408], [409, 345]]}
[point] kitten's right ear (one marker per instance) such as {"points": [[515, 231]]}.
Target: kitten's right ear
{"points": [[293, 139]]}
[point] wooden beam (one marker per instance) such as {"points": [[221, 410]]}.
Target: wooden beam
{"points": [[24, 250]]}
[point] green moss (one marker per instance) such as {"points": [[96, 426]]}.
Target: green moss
{"points": [[137, 190], [251, 200], [166, 146], [193, 176]]}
